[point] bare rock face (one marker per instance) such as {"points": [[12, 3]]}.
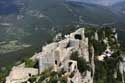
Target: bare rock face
{"points": [[20, 74], [122, 69], [58, 55], [76, 57]]}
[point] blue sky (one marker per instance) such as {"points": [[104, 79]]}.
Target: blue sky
{"points": [[101, 2]]}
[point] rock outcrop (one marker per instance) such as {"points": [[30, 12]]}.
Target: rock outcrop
{"points": [[74, 57]]}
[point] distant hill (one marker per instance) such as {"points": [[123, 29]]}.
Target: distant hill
{"points": [[93, 13], [99, 2], [9, 7], [37, 17], [119, 7]]}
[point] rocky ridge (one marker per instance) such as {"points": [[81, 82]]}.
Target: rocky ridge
{"points": [[76, 58]]}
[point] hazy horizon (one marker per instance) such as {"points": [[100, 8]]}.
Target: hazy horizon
{"points": [[100, 2]]}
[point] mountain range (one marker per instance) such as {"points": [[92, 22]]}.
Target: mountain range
{"points": [[100, 2]]}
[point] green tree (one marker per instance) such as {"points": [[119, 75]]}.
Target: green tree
{"points": [[81, 63]]}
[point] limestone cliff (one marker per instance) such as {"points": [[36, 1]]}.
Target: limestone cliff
{"points": [[79, 57]]}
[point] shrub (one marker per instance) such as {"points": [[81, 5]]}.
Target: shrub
{"points": [[30, 63], [100, 81], [82, 64]]}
